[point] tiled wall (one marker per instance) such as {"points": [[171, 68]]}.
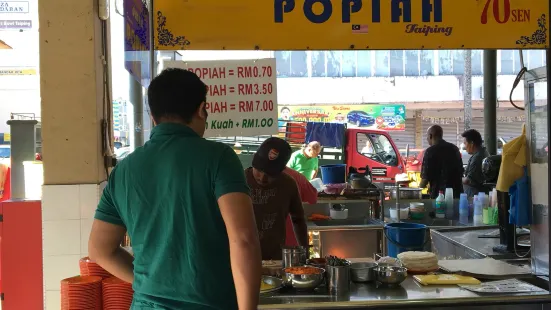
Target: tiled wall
{"points": [[67, 215]]}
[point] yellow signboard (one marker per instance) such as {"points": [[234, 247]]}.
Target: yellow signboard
{"points": [[15, 71], [350, 24]]}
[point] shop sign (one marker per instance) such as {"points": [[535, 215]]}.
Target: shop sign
{"points": [[373, 116], [242, 95], [14, 71], [14, 7], [460, 119], [16, 24], [137, 40], [350, 24]]}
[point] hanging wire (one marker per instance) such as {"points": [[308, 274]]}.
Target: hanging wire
{"points": [[519, 77]]}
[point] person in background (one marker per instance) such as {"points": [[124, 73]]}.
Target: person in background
{"points": [[185, 204], [368, 148], [305, 161], [275, 196], [308, 194], [473, 182], [442, 165]]}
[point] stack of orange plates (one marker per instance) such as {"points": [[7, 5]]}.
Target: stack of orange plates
{"points": [[82, 293], [89, 268], [117, 294]]}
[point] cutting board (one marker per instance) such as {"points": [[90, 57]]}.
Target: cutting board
{"points": [[484, 268]]}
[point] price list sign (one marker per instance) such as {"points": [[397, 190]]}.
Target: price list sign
{"points": [[241, 97]]}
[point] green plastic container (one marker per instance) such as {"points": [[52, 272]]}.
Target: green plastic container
{"points": [[417, 215]]}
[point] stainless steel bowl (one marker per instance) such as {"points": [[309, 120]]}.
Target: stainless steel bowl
{"points": [[362, 272], [294, 256], [304, 281], [391, 275]]}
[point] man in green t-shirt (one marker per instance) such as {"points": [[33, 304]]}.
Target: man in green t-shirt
{"points": [[305, 160], [185, 204]]}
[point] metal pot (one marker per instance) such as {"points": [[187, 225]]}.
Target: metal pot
{"points": [[359, 181], [294, 256], [407, 193]]}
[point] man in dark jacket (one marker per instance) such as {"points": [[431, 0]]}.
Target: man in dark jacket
{"points": [[442, 165]]}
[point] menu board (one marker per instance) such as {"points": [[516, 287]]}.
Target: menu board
{"points": [[242, 95]]}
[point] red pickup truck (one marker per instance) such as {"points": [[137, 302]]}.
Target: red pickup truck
{"points": [[362, 147]]}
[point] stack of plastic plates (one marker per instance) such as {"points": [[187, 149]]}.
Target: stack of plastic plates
{"points": [[90, 268], [81, 293], [117, 294]]}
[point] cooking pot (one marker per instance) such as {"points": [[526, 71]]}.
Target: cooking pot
{"points": [[407, 193], [358, 181]]}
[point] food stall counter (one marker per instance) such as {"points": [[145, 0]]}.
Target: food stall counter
{"points": [[408, 295]]}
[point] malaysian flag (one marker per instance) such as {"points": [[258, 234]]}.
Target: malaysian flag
{"points": [[359, 28]]}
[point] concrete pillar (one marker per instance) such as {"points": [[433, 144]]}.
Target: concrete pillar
{"points": [[490, 101], [136, 98], [71, 87], [419, 134], [23, 148]]}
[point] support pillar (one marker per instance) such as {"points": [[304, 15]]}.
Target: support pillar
{"points": [[490, 101], [136, 98], [467, 90], [23, 148], [71, 87], [419, 134]]}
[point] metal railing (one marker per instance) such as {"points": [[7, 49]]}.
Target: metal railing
{"points": [[24, 116]]}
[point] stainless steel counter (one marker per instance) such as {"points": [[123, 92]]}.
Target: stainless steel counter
{"points": [[463, 242], [407, 296]]}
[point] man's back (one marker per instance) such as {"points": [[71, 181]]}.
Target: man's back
{"points": [[165, 194], [443, 168]]}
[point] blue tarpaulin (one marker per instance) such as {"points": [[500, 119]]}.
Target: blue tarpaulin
{"points": [[327, 134]]}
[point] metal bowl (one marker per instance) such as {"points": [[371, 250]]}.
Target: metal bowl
{"points": [[316, 262], [304, 281], [391, 275], [276, 284], [362, 272]]}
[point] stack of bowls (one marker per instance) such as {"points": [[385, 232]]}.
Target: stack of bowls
{"points": [[79, 293], [117, 294], [89, 268], [417, 210]]}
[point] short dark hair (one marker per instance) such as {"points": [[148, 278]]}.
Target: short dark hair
{"points": [[436, 131], [176, 93], [472, 136]]}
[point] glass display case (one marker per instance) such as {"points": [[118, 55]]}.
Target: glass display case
{"points": [[537, 133]]}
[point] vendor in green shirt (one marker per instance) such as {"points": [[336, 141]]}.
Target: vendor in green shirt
{"points": [[305, 160]]}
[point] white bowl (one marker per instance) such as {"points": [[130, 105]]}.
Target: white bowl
{"points": [[417, 207], [404, 213], [338, 215]]}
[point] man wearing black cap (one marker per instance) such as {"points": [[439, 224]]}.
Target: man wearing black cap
{"points": [[275, 195]]}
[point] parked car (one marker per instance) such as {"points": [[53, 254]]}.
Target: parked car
{"points": [[414, 160], [360, 118], [122, 152], [5, 151]]}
